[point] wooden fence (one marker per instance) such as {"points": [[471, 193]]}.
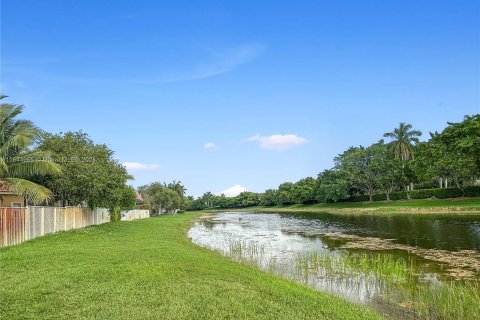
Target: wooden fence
{"points": [[18, 225]]}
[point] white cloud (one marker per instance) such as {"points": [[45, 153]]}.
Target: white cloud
{"points": [[136, 166], [233, 191], [278, 141], [210, 145]]}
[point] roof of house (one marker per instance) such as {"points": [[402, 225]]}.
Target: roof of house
{"points": [[139, 198], [4, 187]]}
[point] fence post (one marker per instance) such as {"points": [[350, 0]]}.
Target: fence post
{"points": [[42, 221], [54, 220], [27, 224], [4, 224], [65, 220]]}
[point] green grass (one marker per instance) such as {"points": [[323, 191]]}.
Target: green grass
{"points": [[398, 277], [449, 206], [148, 269]]}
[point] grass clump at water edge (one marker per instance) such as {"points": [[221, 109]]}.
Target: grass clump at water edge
{"points": [[148, 269]]}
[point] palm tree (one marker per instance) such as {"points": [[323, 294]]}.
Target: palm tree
{"points": [[403, 139], [18, 161], [177, 187]]}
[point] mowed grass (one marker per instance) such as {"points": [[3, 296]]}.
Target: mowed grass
{"points": [[148, 269], [416, 206]]}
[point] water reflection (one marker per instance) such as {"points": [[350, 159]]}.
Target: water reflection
{"points": [[290, 246]]}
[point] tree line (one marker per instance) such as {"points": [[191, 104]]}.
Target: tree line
{"points": [[398, 165], [70, 169], [67, 169]]}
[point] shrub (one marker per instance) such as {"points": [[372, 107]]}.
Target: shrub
{"points": [[437, 193], [472, 191], [400, 195], [358, 198], [379, 197]]}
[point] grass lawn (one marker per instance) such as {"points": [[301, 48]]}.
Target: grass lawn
{"points": [[421, 206], [148, 269]]}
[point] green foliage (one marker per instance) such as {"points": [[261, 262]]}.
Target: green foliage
{"points": [[166, 198], [19, 163], [332, 186], [403, 139], [285, 194], [381, 172], [444, 193], [400, 195], [163, 198], [90, 177], [304, 191], [472, 191], [362, 167], [248, 199], [123, 199], [437, 193], [269, 198]]}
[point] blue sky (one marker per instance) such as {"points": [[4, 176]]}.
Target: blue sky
{"points": [[254, 93]]}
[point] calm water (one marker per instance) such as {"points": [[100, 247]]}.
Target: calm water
{"points": [[276, 242]]}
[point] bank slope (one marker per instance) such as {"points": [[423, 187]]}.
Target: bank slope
{"points": [[148, 269]]}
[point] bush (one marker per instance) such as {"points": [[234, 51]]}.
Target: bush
{"points": [[358, 198], [472, 191], [379, 197], [437, 193], [400, 195]]}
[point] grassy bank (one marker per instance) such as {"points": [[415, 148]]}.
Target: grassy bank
{"points": [[424, 206], [148, 269]]}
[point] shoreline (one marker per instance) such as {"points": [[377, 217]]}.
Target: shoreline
{"points": [[454, 206], [156, 272]]}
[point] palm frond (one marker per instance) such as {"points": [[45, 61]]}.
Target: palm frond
{"points": [[3, 167], [18, 136], [28, 169], [33, 193]]}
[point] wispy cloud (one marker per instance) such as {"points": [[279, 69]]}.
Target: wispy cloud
{"points": [[137, 166], [210, 145], [278, 141], [226, 62], [219, 62]]}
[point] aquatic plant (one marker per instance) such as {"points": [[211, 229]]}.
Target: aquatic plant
{"points": [[399, 281]]}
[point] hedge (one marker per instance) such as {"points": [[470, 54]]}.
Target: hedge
{"points": [[437, 193], [471, 191]]}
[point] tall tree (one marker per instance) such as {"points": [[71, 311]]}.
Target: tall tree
{"points": [[269, 198], [304, 191], [458, 151], [160, 198], [361, 168], [91, 177], [208, 199], [177, 187], [332, 186], [19, 163], [403, 139], [285, 193], [390, 168], [180, 190]]}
